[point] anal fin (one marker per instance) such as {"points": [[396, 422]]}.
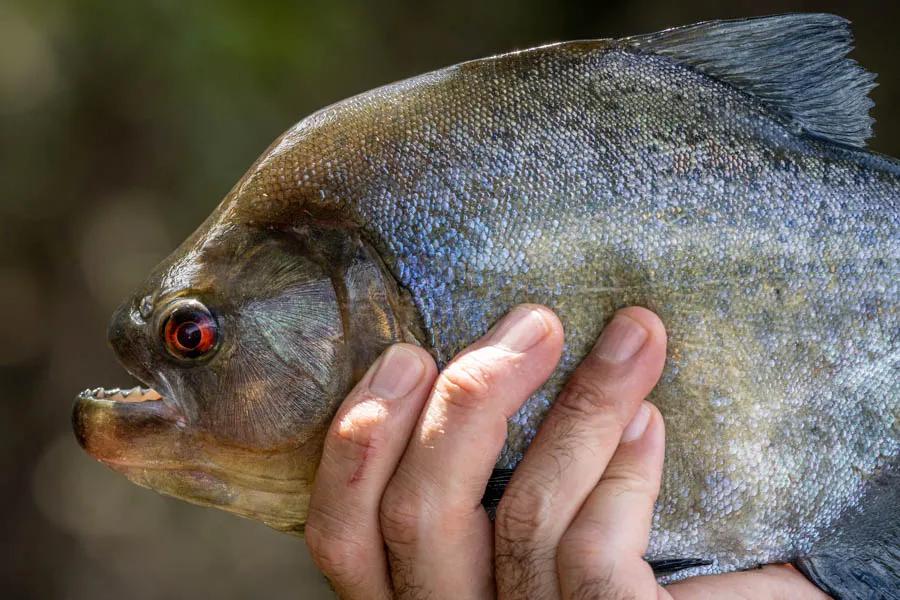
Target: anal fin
{"points": [[860, 560]]}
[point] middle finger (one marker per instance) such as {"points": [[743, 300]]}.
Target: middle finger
{"points": [[438, 536]]}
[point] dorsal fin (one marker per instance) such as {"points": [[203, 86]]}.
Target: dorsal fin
{"points": [[796, 63]]}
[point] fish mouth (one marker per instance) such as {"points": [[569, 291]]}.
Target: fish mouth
{"points": [[143, 436], [116, 426], [140, 434]]}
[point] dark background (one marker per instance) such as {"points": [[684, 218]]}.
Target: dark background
{"points": [[122, 124]]}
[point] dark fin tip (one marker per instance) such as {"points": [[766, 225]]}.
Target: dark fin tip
{"points": [[494, 490], [667, 566], [852, 578]]}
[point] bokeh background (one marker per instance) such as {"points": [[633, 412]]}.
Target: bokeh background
{"points": [[122, 124]]}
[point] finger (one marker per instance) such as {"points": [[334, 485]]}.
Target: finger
{"points": [[438, 535], [603, 549], [777, 582], [361, 450], [576, 440]]}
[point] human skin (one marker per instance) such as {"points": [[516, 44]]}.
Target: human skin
{"points": [[396, 513]]}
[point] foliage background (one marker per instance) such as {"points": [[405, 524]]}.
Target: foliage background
{"points": [[121, 126]]}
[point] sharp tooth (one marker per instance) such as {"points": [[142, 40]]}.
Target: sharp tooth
{"points": [[98, 393], [113, 392], [135, 390]]}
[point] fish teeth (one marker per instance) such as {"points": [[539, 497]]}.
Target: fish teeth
{"points": [[136, 394]]}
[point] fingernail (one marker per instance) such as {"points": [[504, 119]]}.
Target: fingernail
{"points": [[638, 424], [520, 330], [397, 374], [621, 339]]}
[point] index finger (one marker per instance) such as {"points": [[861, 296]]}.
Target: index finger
{"points": [[362, 447]]}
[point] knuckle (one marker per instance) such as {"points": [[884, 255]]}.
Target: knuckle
{"points": [[337, 556], [584, 398], [522, 515], [362, 427], [580, 551], [409, 517], [593, 568], [466, 384], [401, 512], [623, 480]]}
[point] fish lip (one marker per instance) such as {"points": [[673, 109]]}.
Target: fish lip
{"points": [[98, 414]]}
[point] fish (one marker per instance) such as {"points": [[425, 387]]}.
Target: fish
{"points": [[715, 173]]}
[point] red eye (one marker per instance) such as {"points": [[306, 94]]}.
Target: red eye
{"points": [[190, 331]]}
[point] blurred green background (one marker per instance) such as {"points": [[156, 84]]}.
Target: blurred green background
{"points": [[121, 126]]}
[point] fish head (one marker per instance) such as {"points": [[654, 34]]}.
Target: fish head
{"points": [[244, 349]]}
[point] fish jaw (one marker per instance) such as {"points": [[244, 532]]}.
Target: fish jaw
{"points": [[120, 429], [148, 440]]}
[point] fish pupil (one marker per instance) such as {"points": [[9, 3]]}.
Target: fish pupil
{"points": [[189, 335]]}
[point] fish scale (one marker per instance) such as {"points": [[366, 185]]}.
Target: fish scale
{"points": [[715, 174], [631, 179]]}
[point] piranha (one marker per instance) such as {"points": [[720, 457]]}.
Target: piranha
{"points": [[715, 173]]}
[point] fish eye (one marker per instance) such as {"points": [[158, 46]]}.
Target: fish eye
{"points": [[189, 330]]}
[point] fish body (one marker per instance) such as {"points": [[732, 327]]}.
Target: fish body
{"points": [[732, 195]]}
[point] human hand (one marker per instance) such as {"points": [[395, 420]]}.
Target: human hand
{"points": [[396, 512]]}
